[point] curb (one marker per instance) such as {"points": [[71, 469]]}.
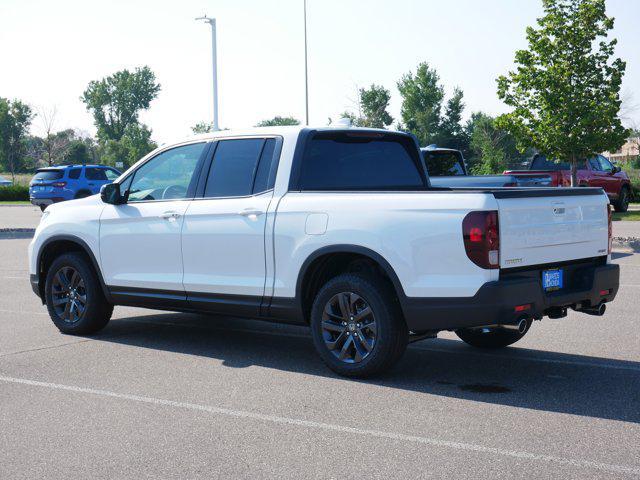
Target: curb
{"points": [[632, 243]]}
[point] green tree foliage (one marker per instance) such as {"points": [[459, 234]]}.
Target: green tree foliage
{"points": [[15, 119], [115, 101], [374, 102], [134, 144], [422, 97], [565, 91], [77, 153], [278, 121], [202, 127], [488, 145], [451, 132]]}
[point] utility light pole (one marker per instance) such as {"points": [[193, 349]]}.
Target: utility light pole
{"points": [[306, 72], [212, 22]]}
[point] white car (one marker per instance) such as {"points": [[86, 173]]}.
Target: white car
{"points": [[336, 228]]}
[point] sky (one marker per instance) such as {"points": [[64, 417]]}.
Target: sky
{"points": [[50, 51]]}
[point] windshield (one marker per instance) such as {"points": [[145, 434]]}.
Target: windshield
{"points": [[440, 164]]}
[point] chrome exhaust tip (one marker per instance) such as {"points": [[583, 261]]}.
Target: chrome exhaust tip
{"points": [[519, 326], [598, 310]]}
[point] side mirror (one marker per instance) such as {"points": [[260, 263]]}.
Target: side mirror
{"points": [[615, 170], [110, 193]]}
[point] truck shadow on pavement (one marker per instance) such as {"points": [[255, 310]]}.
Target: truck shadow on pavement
{"points": [[519, 377]]}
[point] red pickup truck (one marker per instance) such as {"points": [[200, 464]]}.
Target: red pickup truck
{"points": [[595, 172]]}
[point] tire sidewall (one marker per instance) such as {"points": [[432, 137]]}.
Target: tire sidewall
{"points": [[94, 295], [388, 325]]}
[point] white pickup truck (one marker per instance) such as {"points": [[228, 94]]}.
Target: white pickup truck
{"points": [[338, 229]]}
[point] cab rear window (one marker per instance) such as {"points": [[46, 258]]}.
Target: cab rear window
{"points": [[360, 161]]}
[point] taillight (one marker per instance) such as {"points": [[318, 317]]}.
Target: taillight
{"points": [[610, 227], [59, 184], [481, 235]]}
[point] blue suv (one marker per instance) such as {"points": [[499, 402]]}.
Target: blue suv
{"points": [[66, 182]]}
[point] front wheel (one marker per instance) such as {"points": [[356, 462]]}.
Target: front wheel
{"points": [[357, 327], [491, 337], [74, 296], [622, 203]]}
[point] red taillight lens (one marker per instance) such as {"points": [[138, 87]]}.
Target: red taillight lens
{"points": [[610, 227], [481, 235], [59, 184]]}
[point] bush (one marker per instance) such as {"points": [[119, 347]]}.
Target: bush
{"points": [[14, 193]]}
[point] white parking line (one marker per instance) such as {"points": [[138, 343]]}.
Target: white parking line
{"points": [[574, 462]]}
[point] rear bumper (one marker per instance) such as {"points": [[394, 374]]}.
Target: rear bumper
{"points": [[495, 302]]}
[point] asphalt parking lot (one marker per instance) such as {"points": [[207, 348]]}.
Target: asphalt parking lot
{"points": [[164, 395]]}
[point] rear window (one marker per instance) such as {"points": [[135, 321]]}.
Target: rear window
{"points": [[48, 175], [74, 173], [441, 164], [540, 162], [357, 161]]}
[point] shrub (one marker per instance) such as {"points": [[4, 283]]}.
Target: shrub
{"points": [[14, 193]]}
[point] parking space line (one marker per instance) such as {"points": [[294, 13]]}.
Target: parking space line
{"points": [[275, 419]]}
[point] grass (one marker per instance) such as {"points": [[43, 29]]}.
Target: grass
{"points": [[14, 202], [628, 216]]}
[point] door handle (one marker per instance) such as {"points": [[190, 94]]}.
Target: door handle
{"points": [[250, 212], [169, 215]]}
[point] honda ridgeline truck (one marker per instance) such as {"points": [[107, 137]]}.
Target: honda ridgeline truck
{"points": [[335, 228]]}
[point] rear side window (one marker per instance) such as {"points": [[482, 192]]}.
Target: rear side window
{"points": [[354, 161], [234, 167], [48, 175], [93, 173], [74, 173], [265, 175]]}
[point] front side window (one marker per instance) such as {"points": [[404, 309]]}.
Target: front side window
{"points": [[354, 161], [93, 173], [111, 174], [233, 168], [595, 164], [605, 165], [166, 176]]}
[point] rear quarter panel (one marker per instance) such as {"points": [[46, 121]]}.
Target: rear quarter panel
{"points": [[418, 233]]}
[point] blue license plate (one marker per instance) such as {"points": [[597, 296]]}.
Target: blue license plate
{"points": [[552, 279]]}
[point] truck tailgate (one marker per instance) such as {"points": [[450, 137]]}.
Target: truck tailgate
{"points": [[544, 226]]}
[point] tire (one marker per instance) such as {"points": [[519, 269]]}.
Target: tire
{"points": [[42, 207], [622, 203], [361, 347], [493, 338], [82, 194], [70, 279]]}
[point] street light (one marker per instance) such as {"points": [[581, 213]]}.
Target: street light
{"points": [[306, 73], [212, 22]]}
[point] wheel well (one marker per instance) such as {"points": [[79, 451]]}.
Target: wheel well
{"points": [[50, 252], [83, 191], [330, 265]]}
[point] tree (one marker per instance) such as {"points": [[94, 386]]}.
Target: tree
{"points": [[278, 121], [116, 101], [565, 90], [202, 127], [48, 119], [15, 119], [451, 132], [77, 153], [134, 144], [487, 145], [422, 98], [374, 103]]}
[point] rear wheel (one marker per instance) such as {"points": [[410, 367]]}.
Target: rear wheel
{"points": [[357, 327], [42, 207], [74, 297], [490, 337], [622, 203]]}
